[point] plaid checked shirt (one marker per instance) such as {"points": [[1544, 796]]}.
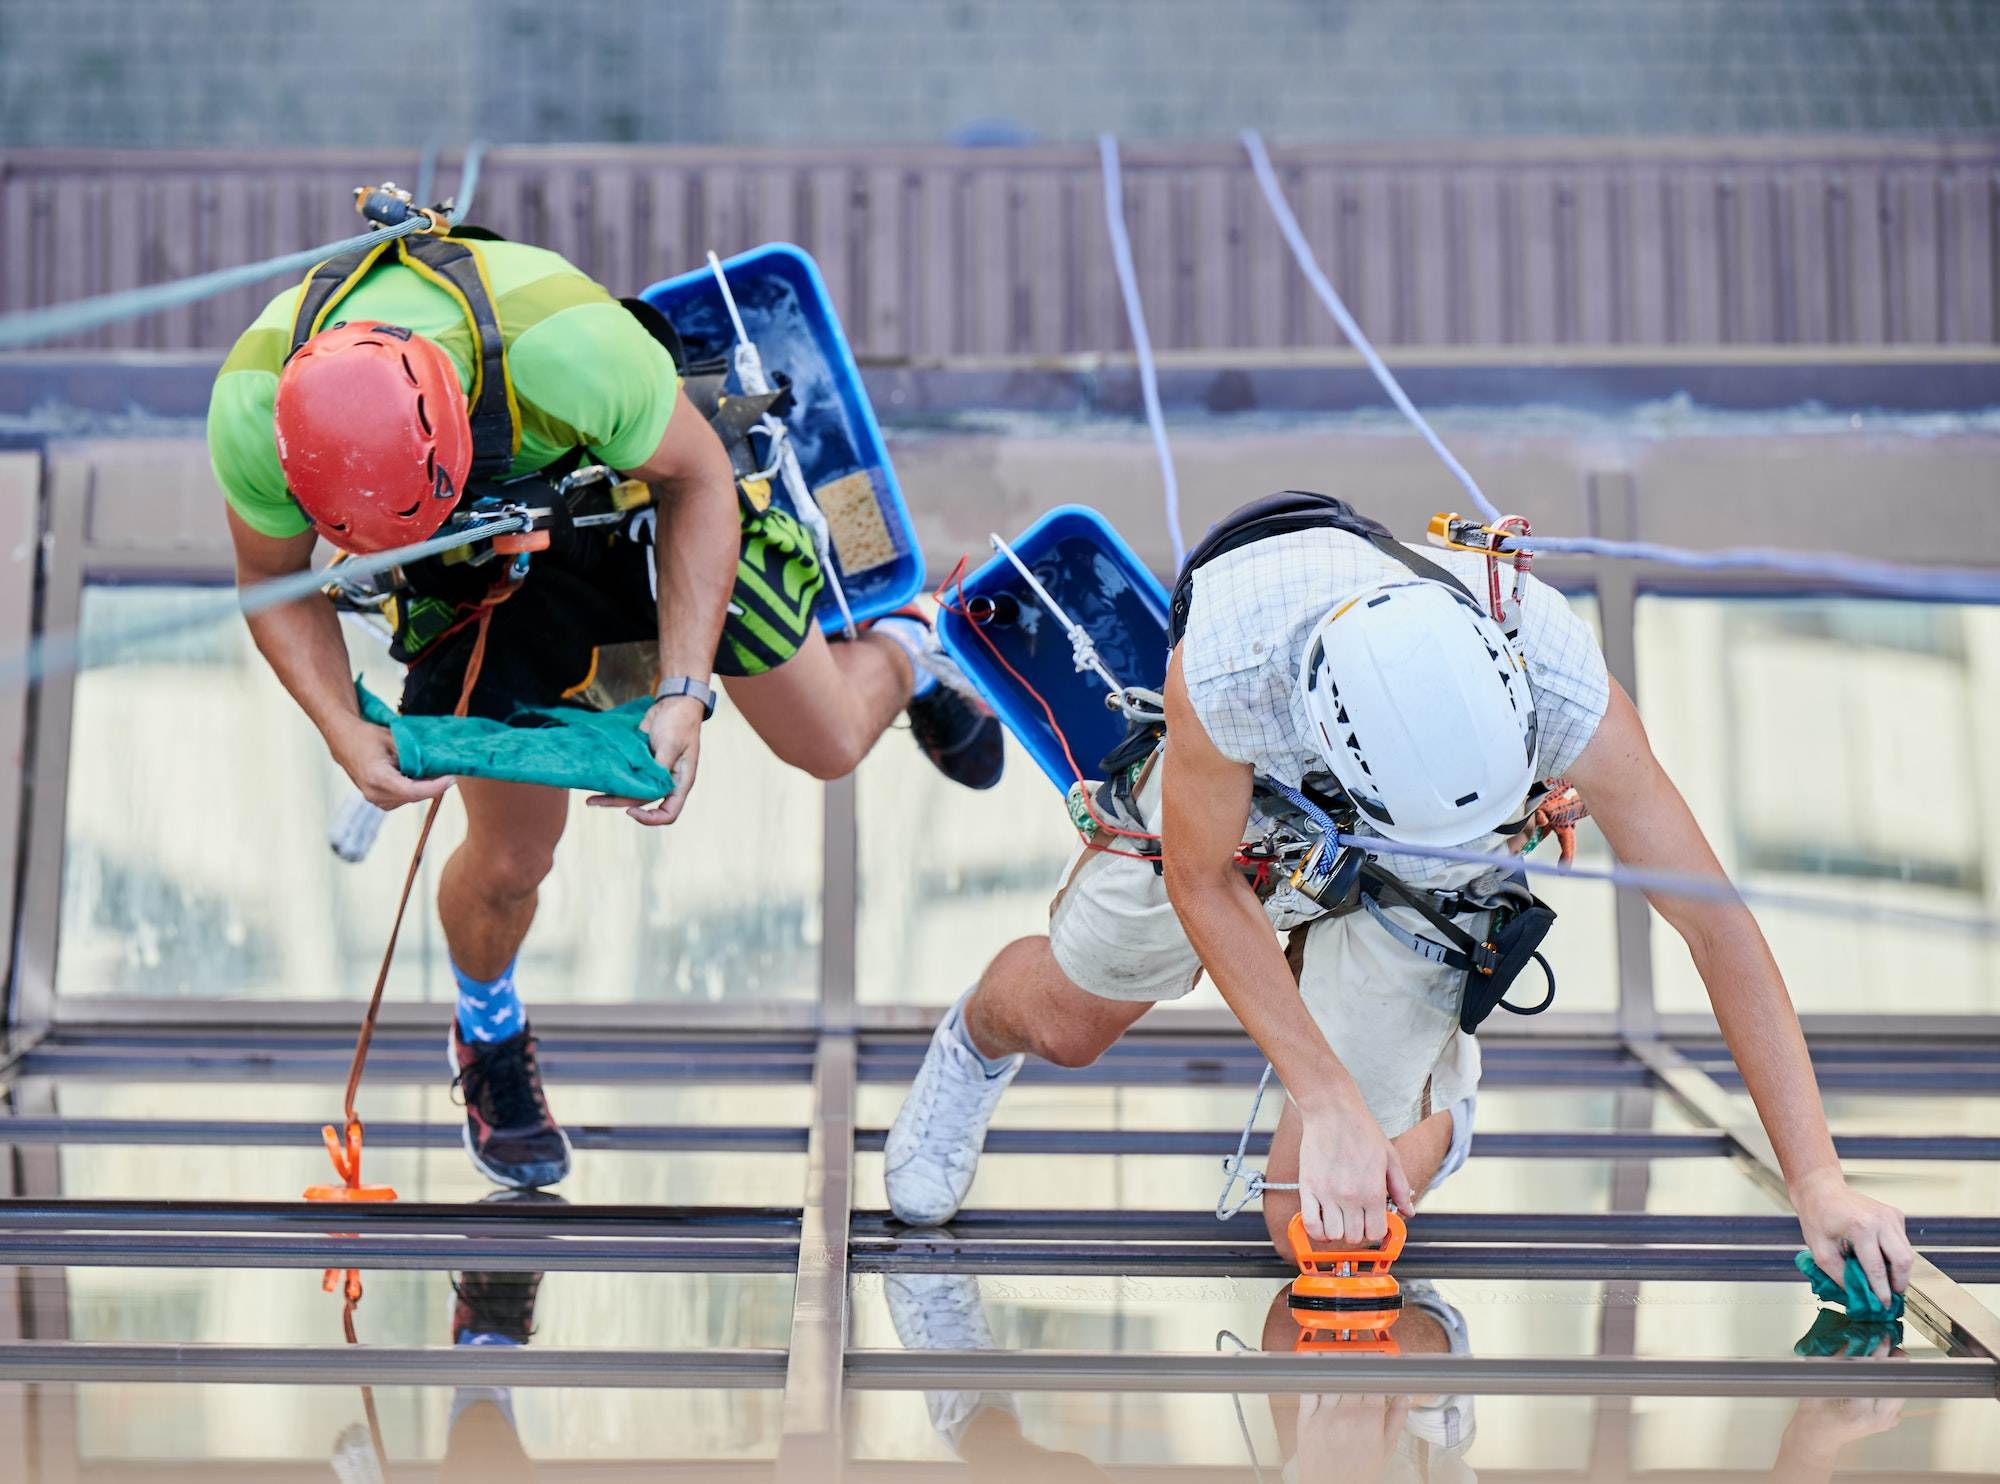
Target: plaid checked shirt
{"points": [[1246, 634]]}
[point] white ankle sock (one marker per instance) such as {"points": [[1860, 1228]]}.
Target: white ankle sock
{"points": [[1460, 1148], [914, 635], [992, 1066]]}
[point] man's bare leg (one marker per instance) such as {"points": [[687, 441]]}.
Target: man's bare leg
{"points": [[1422, 1151], [488, 889], [1024, 1002], [486, 900], [823, 708]]}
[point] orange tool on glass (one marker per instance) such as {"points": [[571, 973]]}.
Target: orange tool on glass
{"points": [[1346, 1289]]}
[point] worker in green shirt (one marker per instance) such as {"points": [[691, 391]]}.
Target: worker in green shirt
{"points": [[357, 408]]}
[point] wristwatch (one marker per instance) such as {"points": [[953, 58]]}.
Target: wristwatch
{"points": [[687, 685]]}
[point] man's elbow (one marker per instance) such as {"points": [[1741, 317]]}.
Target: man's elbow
{"points": [[1192, 884]]}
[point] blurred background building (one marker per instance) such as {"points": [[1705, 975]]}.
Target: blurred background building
{"points": [[255, 75]]}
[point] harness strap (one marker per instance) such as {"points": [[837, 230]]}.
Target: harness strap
{"points": [[456, 267], [1462, 951]]}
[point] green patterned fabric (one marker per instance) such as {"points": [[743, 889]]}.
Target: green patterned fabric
{"points": [[778, 581], [559, 746]]}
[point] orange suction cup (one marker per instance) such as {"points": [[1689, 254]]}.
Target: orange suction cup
{"points": [[347, 1164], [1315, 1341], [1343, 1290]]}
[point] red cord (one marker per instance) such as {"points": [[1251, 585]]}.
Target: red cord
{"points": [[956, 578]]}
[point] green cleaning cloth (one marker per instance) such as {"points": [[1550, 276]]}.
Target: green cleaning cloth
{"points": [[1856, 1297], [561, 746], [1834, 1334]]}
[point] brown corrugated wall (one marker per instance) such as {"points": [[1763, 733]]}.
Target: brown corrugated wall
{"points": [[935, 253]]}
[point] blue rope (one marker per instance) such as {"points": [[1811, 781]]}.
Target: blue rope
{"points": [[61, 652], [80, 315], [1142, 343], [1295, 236], [1953, 584], [77, 316], [1667, 883]]}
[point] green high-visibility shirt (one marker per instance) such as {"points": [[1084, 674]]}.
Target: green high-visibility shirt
{"points": [[586, 373]]}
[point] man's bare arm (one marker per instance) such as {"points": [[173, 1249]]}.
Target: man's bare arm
{"points": [[696, 545], [1347, 1170], [302, 643], [1649, 824]]}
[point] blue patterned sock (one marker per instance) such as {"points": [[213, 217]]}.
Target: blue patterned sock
{"points": [[489, 1010]]}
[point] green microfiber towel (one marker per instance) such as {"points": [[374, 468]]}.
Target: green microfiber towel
{"points": [[1856, 1296], [561, 746], [1833, 1333]]}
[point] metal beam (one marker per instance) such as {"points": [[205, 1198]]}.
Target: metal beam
{"points": [[1262, 1372], [1044, 1370], [1622, 1145], [1954, 1316], [392, 1365], [813, 1441]]}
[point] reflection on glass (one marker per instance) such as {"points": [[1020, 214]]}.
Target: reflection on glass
{"points": [[1812, 738], [179, 1434], [285, 1306], [185, 865]]}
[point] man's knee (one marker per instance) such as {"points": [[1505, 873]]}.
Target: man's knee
{"points": [[506, 869], [1078, 1040]]}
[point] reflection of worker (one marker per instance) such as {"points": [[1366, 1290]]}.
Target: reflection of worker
{"points": [[482, 1443], [343, 412], [943, 1311], [1320, 666], [1364, 1438], [1822, 1429]]}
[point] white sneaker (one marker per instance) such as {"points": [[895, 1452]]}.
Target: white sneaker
{"points": [[1447, 1422], [932, 1151], [942, 1311]]}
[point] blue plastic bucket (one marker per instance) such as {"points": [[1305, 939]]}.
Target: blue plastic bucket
{"points": [[1104, 587], [787, 312]]}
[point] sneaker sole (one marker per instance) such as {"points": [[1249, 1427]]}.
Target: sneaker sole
{"points": [[504, 1181]]}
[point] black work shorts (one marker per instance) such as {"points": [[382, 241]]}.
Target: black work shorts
{"points": [[542, 643]]}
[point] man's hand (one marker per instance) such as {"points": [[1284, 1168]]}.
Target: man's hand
{"points": [[673, 728], [1838, 1219], [1348, 1437], [1349, 1175], [367, 754]]}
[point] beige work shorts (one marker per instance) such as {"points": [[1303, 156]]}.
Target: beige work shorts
{"points": [[1390, 1015]]}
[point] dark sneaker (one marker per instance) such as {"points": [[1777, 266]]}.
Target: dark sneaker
{"points": [[960, 734], [956, 729], [498, 1308], [509, 1132]]}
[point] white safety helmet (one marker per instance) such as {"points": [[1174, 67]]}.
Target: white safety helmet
{"points": [[1420, 706]]}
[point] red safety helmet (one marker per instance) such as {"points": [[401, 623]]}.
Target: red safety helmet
{"points": [[373, 435]]}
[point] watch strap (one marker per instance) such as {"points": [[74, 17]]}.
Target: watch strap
{"points": [[687, 685]]}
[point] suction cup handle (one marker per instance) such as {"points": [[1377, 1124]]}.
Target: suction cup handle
{"points": [[1311, 1259]]}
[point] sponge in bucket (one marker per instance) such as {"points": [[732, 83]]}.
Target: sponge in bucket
{"points": [[560, 746], [1852, 1293]]}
